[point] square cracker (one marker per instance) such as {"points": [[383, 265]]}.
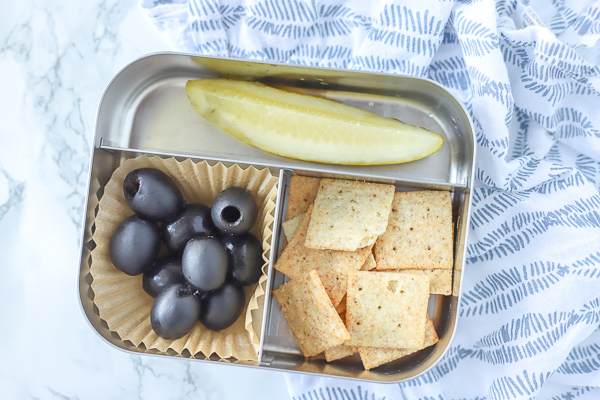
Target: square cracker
{"points": [[440, 280], [303, 191], [372, 357], [348, 215], [333, 266], [419, 233], [310, 314], [387, 309]]}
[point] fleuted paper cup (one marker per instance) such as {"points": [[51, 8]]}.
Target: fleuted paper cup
{"points": [[121, 301]]}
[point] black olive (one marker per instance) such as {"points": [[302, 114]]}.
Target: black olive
{"points": [[245, 258], [175, 312], [135, 245], [165, 271], [193, 221], [151, 194], [204, 263], [234, 211], [221, 308]]}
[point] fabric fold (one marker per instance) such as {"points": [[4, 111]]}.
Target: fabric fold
{"points": [[528, 75]]}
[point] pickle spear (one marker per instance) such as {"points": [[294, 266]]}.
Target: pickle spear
{"points": [[306, 127]]}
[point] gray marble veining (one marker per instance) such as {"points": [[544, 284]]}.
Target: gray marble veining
{"points": [[56, 58]]}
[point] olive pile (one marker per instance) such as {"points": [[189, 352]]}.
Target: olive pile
{"points": [[211, 254]]}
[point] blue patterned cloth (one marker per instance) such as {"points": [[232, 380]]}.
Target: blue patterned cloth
{"points": [[528, 74]]}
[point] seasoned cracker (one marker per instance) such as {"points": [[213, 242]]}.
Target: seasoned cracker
{"points": [[303, 191], [419, 233], [290, 226], [348, 215], [340, 351], [333, 266], [369, 264], [440, 280], [387, 309], [372, 357], [310, 314]]}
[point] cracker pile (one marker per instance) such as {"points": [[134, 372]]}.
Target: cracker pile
{"points": [[363, 260]]}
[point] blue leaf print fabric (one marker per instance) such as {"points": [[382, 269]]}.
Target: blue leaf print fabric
{"points": [[528, 73]]}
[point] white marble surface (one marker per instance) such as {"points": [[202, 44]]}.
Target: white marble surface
{"points": [[56, 57]]}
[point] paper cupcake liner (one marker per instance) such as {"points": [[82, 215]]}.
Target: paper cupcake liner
{"points": [[120, 299]]}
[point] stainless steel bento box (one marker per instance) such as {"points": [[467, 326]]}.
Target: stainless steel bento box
{"points": [[145, 111]]}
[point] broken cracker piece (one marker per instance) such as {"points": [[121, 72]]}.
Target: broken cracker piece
{"points": [[341, 308], [333, 266], [340, 351], [369, 264], [372, 357], [303, 191], [290, 226], [387, 309], [419, 233], [310, 314], [348, 215]]}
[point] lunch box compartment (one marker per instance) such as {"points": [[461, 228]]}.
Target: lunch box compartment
{"points": [[145, 111]]}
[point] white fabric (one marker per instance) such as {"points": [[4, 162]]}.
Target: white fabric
{"points": [[528, 75]]}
